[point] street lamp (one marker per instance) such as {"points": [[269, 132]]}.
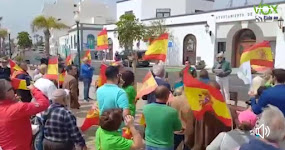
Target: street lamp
{"points": [[280, 24], [207, 27], [77, 20], [9, 38]]}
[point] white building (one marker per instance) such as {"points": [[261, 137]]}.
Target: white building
{"points": [[230, 30], [92, 13]]}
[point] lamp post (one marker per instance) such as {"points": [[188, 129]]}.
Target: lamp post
{"points": [[9, 38], [76, 19]]}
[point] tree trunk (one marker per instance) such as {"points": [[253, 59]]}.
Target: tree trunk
{"points": [[47, 37]]}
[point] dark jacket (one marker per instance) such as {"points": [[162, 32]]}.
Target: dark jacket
{"points": [[258, 145], [151, 97], [225, 66], [86, 71], [5, 73], [25, 94]]}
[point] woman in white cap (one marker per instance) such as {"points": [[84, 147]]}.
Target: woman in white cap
{"points": [[223, 69]]}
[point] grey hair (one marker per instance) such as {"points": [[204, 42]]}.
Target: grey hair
{"points": [[3, 88], [274, 119], [158, 70]]}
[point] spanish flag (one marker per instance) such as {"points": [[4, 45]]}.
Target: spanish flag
{"points": [[88, 56], [127, 133], [149, 84], [202, 98], [157, 49], [102, 79], [61, 78], [68, 60], [259, 55], [19, 84], [102, 40], [92, 118], [142, 121], [14, 66], [52, 71]]}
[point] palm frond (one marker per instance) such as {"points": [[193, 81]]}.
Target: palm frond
{"points": [[3, 33], [53, 23], [39, 23]]}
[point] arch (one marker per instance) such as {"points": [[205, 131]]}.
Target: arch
{"points": [[243, 39], [189, 49], [231, 37], [90, 41]]}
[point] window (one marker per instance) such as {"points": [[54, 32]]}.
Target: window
{"points": [[75, 42], [71, 42], [197, 11], [129, 12], [161, 13], [221, 47]]}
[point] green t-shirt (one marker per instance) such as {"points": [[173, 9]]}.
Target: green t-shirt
{"points": [[161, 121], [107, 140], [132, 93]]}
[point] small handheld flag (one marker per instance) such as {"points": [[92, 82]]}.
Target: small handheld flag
{"points": [[157, 50], [149, 84]]}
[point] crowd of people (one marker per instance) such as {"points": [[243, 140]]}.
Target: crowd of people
{"points": [[169, 122]]}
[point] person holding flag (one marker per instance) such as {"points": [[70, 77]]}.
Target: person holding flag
{"points": [[86, 74]]}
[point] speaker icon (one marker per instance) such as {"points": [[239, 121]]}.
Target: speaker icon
{"points": [[262, 131]]}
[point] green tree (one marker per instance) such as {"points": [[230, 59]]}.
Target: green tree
{"points": [[46, 24], [3, 35], [156, 28], [24, 40], [130, 30]]}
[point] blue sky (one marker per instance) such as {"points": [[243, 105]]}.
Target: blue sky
{"points": [[18, 14]]}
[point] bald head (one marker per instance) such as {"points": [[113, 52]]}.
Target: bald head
{"points": [[59, 96], [162, 93], [23, 65], [158, 70]]}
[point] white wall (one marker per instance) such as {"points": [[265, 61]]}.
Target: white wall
{"points": [[132, 5], [93, 32], [280, 44], [149, 7], [192, 5]]}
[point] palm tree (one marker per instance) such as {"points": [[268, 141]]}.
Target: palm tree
{"points": [[46, 24], [3, 35]]}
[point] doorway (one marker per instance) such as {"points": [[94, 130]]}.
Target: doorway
{"points": [[244, 39], [189, 49]]}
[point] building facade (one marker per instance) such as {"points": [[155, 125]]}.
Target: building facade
{"points": [[201, 35]]}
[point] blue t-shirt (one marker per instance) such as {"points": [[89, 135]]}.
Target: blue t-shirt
{"points": [[257, 144], [111, 96]]}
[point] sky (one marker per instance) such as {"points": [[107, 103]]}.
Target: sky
{"points": [[18, 14]]}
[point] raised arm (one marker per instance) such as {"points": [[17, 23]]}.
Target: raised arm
{"points": [[123, 102], [32, 108]]}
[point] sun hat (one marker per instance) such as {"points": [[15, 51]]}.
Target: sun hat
{"points": [[247, 116]]}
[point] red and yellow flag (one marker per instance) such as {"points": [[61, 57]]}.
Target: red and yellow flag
{"points": [[102, 40], [19, 84], [149, 84], [259, 55], [157, 50], [88, 56], [127, 133], [68, 60], [102, 79], [52, 71], [14, 66], [61, 78], [92, 118], [202, 98]]}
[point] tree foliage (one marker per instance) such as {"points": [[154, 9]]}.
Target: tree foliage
{"points": [[46, 24], [129, 30], [3, 33], [156, 28], [24, 40]]}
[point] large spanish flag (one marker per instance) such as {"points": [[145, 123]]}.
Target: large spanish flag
{"points": [[102, 79], [149, 85], [68, 60], [92, 118], [157, 50], [52, 71], [88, 56], [259, 55], [203, 98], [19, 84], [102, 40], [14, 66]]}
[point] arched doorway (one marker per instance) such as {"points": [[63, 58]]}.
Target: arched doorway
{"points": [[242, 40], [189, 49], [110, 48]]}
